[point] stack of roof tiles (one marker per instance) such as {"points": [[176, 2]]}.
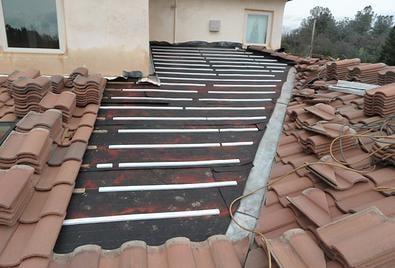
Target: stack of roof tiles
{"points": [[80, 71], [338, 70], [365, 73], [88, 89], [57, 84], [327, 132], [384, 149], [322, 212], [6, 102], [308, 70], [65, 102], [12, 203], [50, 119], [380, 101], [36, 224], [387, 76], [31, 148], [27, 94], [31, 73]]}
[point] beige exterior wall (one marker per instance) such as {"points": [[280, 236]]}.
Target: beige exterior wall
{"points": [[192, 19], [105, 36]]}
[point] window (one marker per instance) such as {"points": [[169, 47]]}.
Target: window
{"points": [[258, 24], [31, 26]]}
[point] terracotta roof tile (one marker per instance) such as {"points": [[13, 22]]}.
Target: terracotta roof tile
{"points": [[336, 177], [290, 186], [16, 189], [323, 111], [61, 154], [53, 202], [216, 251], [87, 120], [358, 195], [30, 240], [88, 89], [76, 72], [57, 84], [50, 119], [385, 178], [274, 222], [296, 249], [65, 102], [31, 73], [27, 94], [313, 204], [31, 148], [369, 231]]}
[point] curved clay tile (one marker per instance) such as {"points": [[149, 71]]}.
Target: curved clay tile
{"points": [[323, 111], [216, 251], [313, 204], [296, 249]]}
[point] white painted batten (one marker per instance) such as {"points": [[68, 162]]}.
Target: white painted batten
{"points": [[234, 100], [251, 75], [175, 146], [241, 143], [185, 73], [225, 108], [179, 60], [178, 163], [250, 129], [182, 64], [184, 69], [104, 165], [164, 131], [153, 118], [144, 216], [191, 130], [244, 85], [176, 53], [262, 70], [183, 84], [159, 90], [217, 79], [251, 62], [140, 108], [177, 57], [164, 146], [150, 98], [239, 92], [238, 66], [164, 187]]}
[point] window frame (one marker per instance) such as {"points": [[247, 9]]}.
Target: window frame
{"points": [[269, 26], [61, 34]]}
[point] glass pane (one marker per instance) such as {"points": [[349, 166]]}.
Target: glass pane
{"points": [[31, 24], [256, 28]]}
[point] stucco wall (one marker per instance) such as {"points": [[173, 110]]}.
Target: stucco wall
{"points": [[105, 36], [192, 19]]}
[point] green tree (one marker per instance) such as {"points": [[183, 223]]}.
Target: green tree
{"points": [[388, 51], [361, 36]]}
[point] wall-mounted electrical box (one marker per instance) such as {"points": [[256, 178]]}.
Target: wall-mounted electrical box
{"points": [[214, 26]]}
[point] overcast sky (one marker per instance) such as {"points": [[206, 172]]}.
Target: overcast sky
{"points": [[296, 10]]}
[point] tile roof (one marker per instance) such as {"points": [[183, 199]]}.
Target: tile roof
{"points": [[333, 211], [330, 200], [40, 160]]}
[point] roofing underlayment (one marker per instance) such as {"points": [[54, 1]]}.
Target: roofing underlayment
{"points": [[166, 162]]}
